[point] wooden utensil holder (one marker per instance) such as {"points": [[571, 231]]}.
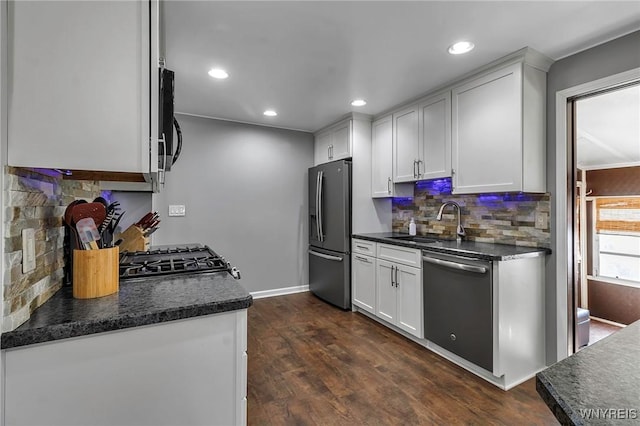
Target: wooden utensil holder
{"points": [[133, 239], [96, 272]]}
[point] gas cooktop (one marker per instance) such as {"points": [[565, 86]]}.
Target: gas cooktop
{"points": [[173, 260]]}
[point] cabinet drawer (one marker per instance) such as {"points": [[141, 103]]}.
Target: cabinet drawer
{"points": [[398, 254], [363, 247]]}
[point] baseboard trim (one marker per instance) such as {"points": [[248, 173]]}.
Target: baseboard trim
{"points": [[606, 321], [279, 291]]}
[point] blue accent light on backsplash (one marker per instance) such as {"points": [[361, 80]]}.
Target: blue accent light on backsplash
{"points": [[492, 199], [441, 186], [106, 195], [402, 201]]}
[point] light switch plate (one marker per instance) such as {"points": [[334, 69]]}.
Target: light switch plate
{"points": [[177, 210], [28, 250], [542, 220]]}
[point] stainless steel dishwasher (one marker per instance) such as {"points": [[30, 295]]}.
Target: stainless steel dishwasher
{"points": [[458, 306]]}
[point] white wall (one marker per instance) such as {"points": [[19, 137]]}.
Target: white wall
{"points": [[608, 59], [245, 191]]}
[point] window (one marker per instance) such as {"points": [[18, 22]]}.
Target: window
{"points": [[617, 239]]}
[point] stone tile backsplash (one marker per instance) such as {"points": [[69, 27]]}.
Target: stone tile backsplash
{"points": [[35, 199], [503, 218]]}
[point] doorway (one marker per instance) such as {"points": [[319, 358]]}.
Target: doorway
{"points": [[604, 130]]}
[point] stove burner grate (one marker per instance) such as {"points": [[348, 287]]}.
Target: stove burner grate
{"points": [[171, 261]]}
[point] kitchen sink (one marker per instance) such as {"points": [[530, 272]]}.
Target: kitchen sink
{"points": [[415, 239]]}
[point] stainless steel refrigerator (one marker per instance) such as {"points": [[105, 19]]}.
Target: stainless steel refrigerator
{"points": [[330, 232]]}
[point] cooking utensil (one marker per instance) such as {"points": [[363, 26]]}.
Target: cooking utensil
{"points": [[102, 201], [88, 233], [150, 231], [95, 211], [144, 219], [114, 225], [147, 220], [68, 219]]}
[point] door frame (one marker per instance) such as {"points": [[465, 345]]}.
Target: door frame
{"points": [[563, 207]]}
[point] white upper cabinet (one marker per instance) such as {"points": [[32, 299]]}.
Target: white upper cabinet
{"points": [[381, 157], [383, 184], [341, 141], [435, 137], [406, 144], [334, 143], [79, 78], [322, 147], [498, 126], [422, 140]]}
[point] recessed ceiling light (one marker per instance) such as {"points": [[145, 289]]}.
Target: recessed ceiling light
{"points": [[461, 47], [218, 73], [358, 102], [270, 113]]}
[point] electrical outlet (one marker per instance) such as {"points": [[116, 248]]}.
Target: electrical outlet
{"points": [[177, 210], [542, 220], [28, 250]]}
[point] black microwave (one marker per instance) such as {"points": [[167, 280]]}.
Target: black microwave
{"points": [[167, 156]]}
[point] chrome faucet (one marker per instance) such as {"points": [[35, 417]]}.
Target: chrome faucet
{"points": [[460, 231]]}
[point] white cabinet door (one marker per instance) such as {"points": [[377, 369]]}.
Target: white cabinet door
{"points": [[386, 291], [381, 158], [406, 147], [322, 148], [487, 133], [409, 294], [334, 143], [79, 95], [196, 367], [341, 141], [364, 282], [435, 137]]}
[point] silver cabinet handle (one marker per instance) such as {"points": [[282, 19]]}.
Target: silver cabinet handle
{"points": [[362, 247], [455, 265], [325, 256], [397, 281], [389, 186], [419, 174], [415, 174], [392, 283], [364, 259]]}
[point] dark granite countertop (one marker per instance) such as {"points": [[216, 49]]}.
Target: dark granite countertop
{"points": [[140, 301], [485, 251], [599, 384]]}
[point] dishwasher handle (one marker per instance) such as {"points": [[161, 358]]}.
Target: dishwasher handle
{"points": [[455, 265]]}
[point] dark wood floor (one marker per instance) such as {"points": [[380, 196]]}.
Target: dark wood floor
{"points": [[313, 364], [598, 330]]}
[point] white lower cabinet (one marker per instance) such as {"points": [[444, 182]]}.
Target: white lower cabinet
{"points": [[515, 317], [399, 289], [363, 283], [388, 285], [186, 372]]}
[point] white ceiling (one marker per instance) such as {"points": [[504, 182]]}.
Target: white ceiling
{"points": [[608, 129], [309, 59]]}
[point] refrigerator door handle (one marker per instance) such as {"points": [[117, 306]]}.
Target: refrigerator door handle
{"points": [[325, 256], [321, 234], [318, 207]]}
